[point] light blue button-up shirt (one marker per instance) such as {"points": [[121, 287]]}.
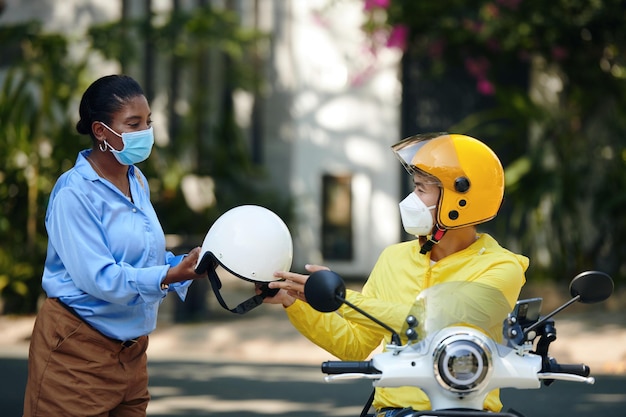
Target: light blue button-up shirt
{"points": [[106, 255]]}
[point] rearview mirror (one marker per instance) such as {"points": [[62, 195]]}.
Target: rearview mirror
{"points": [[591, 287], [321, 290]]}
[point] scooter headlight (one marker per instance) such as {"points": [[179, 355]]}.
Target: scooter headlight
{"points": [[462, 363]]}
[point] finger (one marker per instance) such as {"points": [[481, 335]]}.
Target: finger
{"points": [[285, 274], [192, 256], [314, 268], [287, 285], [297, 294], [291, 276]]}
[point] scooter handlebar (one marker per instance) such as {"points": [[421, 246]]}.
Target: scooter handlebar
{"points": [[574, 369], [554, 371], [349, 367]]}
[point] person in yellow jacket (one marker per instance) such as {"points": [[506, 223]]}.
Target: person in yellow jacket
{"points": [[459, 183]]}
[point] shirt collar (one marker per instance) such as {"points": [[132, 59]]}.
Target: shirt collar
{"points": [[84, 168]]}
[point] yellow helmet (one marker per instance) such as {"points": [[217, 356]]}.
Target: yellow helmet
{"points": [[470, 173]]}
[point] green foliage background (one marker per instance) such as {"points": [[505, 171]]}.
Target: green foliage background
{"points": [[38, 108], [565, 160]]}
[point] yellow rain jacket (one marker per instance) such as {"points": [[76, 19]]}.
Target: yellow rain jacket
{"points": [[399, 275]]}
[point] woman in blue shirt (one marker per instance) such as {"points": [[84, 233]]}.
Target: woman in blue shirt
{"points": [[106, 270]]}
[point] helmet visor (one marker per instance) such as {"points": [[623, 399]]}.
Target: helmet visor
{"points": [[407, 148]]}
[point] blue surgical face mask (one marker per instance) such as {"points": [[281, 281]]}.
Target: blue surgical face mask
{"points": [[137, 146]]}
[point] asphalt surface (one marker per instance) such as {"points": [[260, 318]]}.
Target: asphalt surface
{"points": [[258, 365]]}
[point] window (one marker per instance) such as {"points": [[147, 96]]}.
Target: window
{"points": [[337, 217]]}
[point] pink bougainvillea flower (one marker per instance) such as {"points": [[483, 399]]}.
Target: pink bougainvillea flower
{"points": [[379, 37], [362, 77], [376, 4], [398, 37], [484, 87]]}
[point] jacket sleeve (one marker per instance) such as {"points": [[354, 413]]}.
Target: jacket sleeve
{"points": [[506, 274], [343, 338], [348, 334]]}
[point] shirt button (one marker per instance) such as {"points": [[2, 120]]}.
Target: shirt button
{"points": [[134, 210]]}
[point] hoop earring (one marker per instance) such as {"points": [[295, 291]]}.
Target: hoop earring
{"points": [[102, 147]]}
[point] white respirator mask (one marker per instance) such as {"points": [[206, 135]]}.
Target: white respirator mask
{"points": [[416, 216]]}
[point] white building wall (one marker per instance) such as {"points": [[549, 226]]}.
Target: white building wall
{"points": [[334, 109]]}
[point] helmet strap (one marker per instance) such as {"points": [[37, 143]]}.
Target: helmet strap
{"points": [[434, 239], [246, 305]]}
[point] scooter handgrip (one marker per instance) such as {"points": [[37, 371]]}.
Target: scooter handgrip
{"points": [[349, 367], [574, 369]]}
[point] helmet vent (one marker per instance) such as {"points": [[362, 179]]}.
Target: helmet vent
{"points": [[453, 214], [461, 184]]}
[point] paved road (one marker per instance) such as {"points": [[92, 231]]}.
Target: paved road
{"points": [[260, 390], [259, 366]]}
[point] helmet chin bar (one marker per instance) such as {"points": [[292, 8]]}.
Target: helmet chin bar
{"points": [[434, 239]]}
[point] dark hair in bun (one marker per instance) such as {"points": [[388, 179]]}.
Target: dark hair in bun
{"points": [[104, 97]]}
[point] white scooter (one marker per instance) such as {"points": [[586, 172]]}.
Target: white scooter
{"points": [[457, 366]]}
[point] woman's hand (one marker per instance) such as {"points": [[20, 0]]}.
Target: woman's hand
{"points": [[185, 270], [291, 286]]}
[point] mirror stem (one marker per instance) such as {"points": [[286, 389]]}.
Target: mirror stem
{"points": [[547, 317], [395, 338]]}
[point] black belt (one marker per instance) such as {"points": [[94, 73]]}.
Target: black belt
{"points": [[124, 343], [127, 343]]}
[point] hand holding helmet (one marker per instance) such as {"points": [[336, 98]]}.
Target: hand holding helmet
{"points": [[185, 269], [291, 287]]}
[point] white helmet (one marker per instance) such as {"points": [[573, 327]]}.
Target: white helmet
{"points": [[249, 242]]}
